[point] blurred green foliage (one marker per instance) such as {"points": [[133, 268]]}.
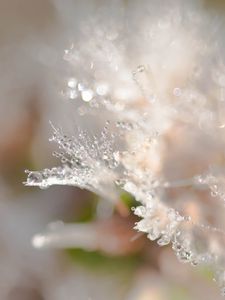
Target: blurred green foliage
{"points": [[128, 200], [178, 293], [205, 272], [98, 261]]}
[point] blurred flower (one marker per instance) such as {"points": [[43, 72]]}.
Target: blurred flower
{"points": [[155, 76]]}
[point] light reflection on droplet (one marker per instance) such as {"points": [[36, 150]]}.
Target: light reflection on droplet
{"points": [[87, 95], [177, 92], [72, 82], [72, 94], [81, 86], [102, 89], [38, 241]]}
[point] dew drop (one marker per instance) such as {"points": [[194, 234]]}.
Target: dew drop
{"points": [[81, 86], [38, 241], [163, 241], [140, 68], [73, 94], [153, 234], [102, 89], [43, 186], [34, 177], [184, 256], [214, 194], [140, 211], [177, 92], [72, 82], [87, 95]]}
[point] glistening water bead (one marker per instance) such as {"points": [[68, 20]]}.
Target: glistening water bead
{"points": [[72, 83], [87, 95], [177, 92], [102, 89], [34, 178]]}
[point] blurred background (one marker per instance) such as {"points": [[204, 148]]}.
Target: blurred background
{"points": [[33, 36]]}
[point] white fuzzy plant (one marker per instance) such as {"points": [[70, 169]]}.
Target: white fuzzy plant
{"points": [[158, 71]]}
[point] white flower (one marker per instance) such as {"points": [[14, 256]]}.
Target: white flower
{"points": [[163, 77]]}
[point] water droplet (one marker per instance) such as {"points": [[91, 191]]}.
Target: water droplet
{"points": [[214, 193], [87, 95], [177, 92], [163, 241], [73, 94], [153, 234], [184, 256], [34, 177], [119, 182], [194, 263], [140, 68], [72, 82], [63, 160], [176, 247], [81, 87], [102, 89], [43, 186], [140, 211], [67, 55], [130, 187], [38, 241]]}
